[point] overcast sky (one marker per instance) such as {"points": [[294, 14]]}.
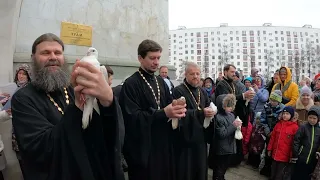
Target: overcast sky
{"points": [[210, 13]]}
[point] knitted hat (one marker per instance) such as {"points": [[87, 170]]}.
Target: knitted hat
{"points": [[305, 90], [248, 79], [290, 110], [317, 77], [276, 95]]}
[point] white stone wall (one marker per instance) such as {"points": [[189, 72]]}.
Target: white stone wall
{"points": [[118, 26]]}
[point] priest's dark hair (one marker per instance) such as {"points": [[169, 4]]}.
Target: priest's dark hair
{"points": [[227, 67], [148, 46], [46, 37], [109, 70]]}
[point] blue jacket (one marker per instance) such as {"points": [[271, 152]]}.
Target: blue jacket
{"points": [[259, 100]]}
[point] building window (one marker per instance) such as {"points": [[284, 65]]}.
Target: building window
{"points": [[198, 52], [205, 40], [198, 34], [198, 46], [218, 32], [206, 46], [244, 33], [191, 34], [251, 45], [244, 39], [238, 63], [212, 33], [198, 40], [288, 33], [296, 46], [205, 34], [198, 58], [192, 51], [231, 32], [238, 56], [251, 39], [289, 46], [186, 52], [244, 45], [251, 33]]}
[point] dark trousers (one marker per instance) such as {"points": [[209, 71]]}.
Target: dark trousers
{"points": [[302, 171], [220, 166], [1, 176], [280, 170], [254, 159]]}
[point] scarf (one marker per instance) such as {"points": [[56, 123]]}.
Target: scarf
{"points": [[209, 91]]}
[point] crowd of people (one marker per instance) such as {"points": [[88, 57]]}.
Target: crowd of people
{"points": [[134, 130]]}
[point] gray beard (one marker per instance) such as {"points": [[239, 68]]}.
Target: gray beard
{"points": [[49, 81]]}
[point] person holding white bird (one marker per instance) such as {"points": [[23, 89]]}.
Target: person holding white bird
{"points": [[191, 145], [47, 117]]}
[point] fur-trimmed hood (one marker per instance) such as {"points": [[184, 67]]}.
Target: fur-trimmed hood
{"points": [[299, 104], [223, 100]]}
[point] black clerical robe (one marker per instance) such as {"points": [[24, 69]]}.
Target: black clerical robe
{"points": [[190, 144], [148, 144], [55, 147]]}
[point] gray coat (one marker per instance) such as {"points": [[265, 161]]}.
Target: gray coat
{"points": [[225, 130]]}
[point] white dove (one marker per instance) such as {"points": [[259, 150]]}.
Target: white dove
{"points": [[248, 100], [90, 102]]}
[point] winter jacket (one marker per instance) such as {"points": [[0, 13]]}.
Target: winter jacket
{"points": [[291, 93], [281, 140], [307, 141], [259, 100], [303, 111], [225, 130], [272, 114]]}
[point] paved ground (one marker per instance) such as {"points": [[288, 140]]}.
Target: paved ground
{"points": [[243, 172]]}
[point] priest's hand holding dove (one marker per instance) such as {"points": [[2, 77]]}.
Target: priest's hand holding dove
{"points": [[93, 84], [179, 102]]}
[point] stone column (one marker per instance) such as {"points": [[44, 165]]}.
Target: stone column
{"points": [[9, 16]]}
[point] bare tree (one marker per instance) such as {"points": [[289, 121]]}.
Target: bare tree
{"points": [[224, 57], [269, 56], [182, 67]]}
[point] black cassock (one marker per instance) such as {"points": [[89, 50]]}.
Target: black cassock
{"points": [[190, 143], [148, 141], [55, 147]]}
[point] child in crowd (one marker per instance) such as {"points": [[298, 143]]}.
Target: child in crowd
{"points": [[296, 117], [257, 141], [306, 143], [273, 108], [280, 145], [225, 132]]}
